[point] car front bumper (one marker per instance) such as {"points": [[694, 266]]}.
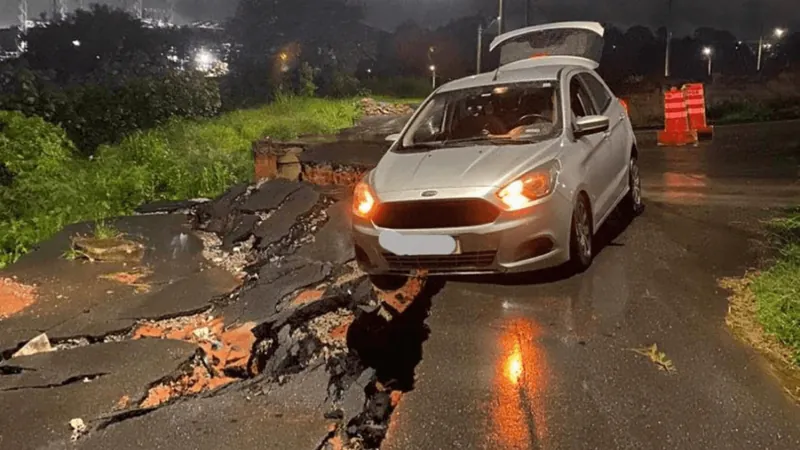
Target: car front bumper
{"points": [[528, 240]]}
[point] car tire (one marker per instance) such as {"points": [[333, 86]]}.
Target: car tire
{"points": [[581, 236], [388, 282], [632, 204]]}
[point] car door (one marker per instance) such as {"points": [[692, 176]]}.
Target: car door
{"points": [[606, 104], [595, 149]]}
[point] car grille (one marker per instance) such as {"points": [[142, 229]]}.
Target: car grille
{"points": [[464, 261], [435, 214]]}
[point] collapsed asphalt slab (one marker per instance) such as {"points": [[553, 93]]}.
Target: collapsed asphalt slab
{"points": [[40, 394], [260, 290]]}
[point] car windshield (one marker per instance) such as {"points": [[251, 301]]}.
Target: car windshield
{"points": [[505, 114]]}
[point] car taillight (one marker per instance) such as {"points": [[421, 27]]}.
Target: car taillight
{"points": [[363, 201]]}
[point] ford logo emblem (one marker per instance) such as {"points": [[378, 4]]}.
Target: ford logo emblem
{"points": [[429, 193]]}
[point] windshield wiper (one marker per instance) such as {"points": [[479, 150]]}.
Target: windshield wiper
{"points": [[422, 146]]}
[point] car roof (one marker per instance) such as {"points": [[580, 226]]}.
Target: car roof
{"points": [[541, 69]]}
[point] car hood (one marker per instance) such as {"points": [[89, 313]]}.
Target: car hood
{"points": [[453, 167]]}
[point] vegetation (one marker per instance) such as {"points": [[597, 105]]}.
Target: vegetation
{"points": [[777, 290], [44, 185]]}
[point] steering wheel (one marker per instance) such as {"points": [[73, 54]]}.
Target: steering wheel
{"points": [[532, 116]]}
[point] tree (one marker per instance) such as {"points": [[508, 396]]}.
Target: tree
{"points": [[99, 42]]}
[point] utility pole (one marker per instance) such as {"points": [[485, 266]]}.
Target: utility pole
{"points": [[22, 16], [668, 38], [480, 48], [527, 13], [59, 10], [500, 17]]}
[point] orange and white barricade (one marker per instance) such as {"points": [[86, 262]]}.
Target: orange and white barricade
{"points": [[695, 99], [676, 130]]}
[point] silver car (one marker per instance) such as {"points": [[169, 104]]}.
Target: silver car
{"points": [[508, 171]]}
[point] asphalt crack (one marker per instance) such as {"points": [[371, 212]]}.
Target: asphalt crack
{"points": [[83, 378]]}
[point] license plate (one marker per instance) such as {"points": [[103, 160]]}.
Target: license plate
{"points": [[419, 244]]}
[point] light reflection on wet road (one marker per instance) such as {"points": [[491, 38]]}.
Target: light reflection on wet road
{"points": [[543, 361], [517, 413]]}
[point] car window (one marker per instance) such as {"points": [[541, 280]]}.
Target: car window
{"points": [[579, 99], [430, 128], [602, 98], [511, 113]]}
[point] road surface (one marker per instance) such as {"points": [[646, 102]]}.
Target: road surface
{"points": [[545, 362], [538, 361]]}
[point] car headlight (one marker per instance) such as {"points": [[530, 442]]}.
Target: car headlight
{"points": [[364, 200], [532, 186]]}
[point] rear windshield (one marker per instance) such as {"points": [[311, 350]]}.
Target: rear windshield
{"points": [[501, 114], [555, 42]]}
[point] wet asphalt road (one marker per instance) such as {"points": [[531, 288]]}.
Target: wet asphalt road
{"points": [[544, 361]]}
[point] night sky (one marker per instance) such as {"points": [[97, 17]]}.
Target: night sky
{"points": [[739, 16]]}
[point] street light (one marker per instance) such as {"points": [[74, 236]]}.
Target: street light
{"points": [[707, 52], [778, 33], [76, 43], [432, 68]]}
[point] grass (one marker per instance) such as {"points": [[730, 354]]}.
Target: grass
{"points": [[764, 309], [777, 289], [51, 188]]}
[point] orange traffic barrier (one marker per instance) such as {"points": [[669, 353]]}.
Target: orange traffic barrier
{"points": [[676, 130], [695, 99], [625, 105]]}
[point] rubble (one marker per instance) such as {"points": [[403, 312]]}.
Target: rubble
{"points": [[107, 249], [39, 344], [371, 107], [14, 297]]}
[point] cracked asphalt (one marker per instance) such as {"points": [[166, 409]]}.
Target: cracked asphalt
{"points": [[537, 361]]}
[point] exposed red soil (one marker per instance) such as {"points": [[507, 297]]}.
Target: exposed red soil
{"points": [[14, 297], [227, 351]]}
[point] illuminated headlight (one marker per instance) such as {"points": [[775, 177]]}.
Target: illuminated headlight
{"points": [[532, 186], [364, 201]]}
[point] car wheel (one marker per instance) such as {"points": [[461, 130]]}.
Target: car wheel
{"points": [[388, 282], [581, 236], [633, 204]]}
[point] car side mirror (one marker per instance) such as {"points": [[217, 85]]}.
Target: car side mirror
{"points": [[393, 137], [590, 125]]}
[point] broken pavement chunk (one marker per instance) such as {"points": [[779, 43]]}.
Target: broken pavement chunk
{"points": [[39, 344], [113, 249], [269, 195], [278, 225]]}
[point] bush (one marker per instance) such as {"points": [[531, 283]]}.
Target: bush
{"points": [[95, 114], [337, 83], [44, 187]]}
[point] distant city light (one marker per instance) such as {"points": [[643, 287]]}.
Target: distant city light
{"points": [[707, 51], [369, 70], [284, 56], [76, 43], [204, 58]]}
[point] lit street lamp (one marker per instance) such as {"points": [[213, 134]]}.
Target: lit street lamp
{"points": [[76, 43], [778, 33], [432, 68], [707, 52]]}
